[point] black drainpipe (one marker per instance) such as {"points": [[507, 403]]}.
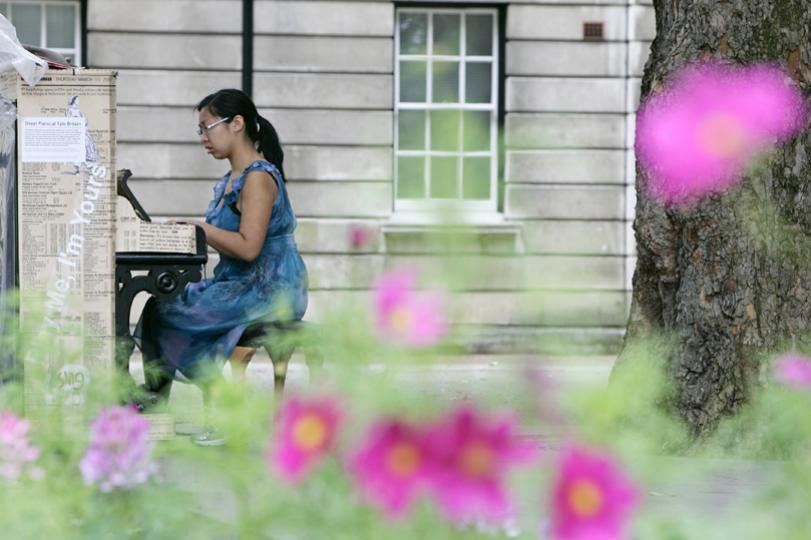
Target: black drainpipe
{"points": [[247, 47], [83, 29]]}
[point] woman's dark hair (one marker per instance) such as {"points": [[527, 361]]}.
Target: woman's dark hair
{"points": [[228, 103]]}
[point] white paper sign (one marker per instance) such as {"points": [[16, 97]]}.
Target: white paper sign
{"points": [[53, 140]]}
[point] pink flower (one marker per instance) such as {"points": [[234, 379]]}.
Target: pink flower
{"points": [[404, 315], [592, 497], [547, 396], [472, 455], [306, 432], [360, 236], [700, 133], [17, 455], [119, 452], [392, 466], [793, 370]]}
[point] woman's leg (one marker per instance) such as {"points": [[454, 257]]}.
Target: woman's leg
{"points": [[239, 360], [156, 380], [210, 436], [157, 375]]}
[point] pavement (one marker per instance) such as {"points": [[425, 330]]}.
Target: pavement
{"points": [[451, 379]]}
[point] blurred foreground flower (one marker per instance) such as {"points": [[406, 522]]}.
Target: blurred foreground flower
{"points": [[592, 497], [700, 133], [472, 454], [392, 466], [793, 370], [404, 315], [360, 237], [306, 432], [119, 453], [17, 455], [547, 396]]}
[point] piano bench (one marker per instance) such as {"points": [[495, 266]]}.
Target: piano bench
{"points": [[280, 340]]}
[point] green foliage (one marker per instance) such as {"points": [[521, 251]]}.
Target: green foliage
{"points": [[634, 410], [230, 492]]}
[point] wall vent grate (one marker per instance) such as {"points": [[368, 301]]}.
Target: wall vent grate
{"points": [[592, 31]]}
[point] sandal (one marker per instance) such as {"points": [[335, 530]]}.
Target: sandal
{"points": [[208, 437]]}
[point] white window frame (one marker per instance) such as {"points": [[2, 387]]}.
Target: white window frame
{"points": [[465, 209], [74, 53]]}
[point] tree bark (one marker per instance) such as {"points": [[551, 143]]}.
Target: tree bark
{"points": [[729, 279]]}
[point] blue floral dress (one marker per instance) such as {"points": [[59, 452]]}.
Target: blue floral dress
{"points": [[199, 329]]}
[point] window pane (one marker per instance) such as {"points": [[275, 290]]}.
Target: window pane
{"points": [[465, 137], [446, 33], [445, 130], [446, 82], [3, 10], [411, 130], [412, 81], [410, 177], [478, 82], [477, 131], [443, 177], [61, 25], [413, 31], [476, 179], [27, 19], [479, 35]]}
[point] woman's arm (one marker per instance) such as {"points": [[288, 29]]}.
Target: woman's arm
{"points": [[256, 203]]}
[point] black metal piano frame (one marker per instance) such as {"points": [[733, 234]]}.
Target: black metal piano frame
{"points": [[167, 275]]}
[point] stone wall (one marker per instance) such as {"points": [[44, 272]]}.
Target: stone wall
{"points": [[324, 75]]}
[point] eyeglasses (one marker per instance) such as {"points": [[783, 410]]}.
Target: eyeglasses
{"points": [[202, 128]]}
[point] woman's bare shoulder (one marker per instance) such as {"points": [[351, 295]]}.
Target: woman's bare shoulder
{"points": [[260, 181]]}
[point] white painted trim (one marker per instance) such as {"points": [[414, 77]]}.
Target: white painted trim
{"points": [[435, 216], [76, 51]]}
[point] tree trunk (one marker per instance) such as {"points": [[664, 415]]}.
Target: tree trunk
{"points": [[730, 278]]}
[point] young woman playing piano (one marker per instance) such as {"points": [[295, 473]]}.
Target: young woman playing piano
{"points": [[250, 222]]}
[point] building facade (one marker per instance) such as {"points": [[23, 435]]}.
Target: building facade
{"points": [[512, 118]]}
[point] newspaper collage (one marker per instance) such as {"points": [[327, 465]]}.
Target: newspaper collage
{"points": [[66, 210]]}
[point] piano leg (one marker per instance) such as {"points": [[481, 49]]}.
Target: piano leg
{"points": [[127, 290], [162, 282]]}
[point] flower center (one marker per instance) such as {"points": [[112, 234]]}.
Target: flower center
{"points": [[585, 498], [403, 459], [401, 319], [476, 460], [722, 135], [309, 432]]}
